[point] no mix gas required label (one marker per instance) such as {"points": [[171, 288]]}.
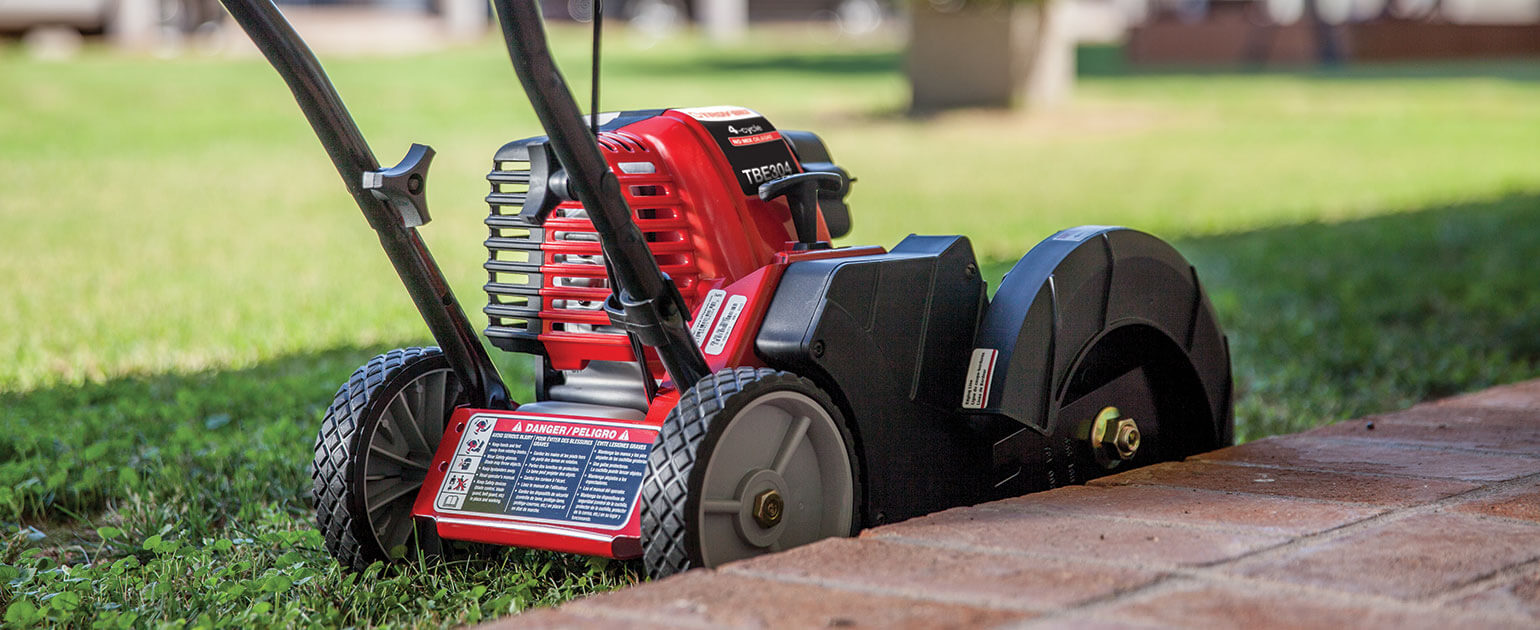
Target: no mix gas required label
{"points": [[564, 472]]}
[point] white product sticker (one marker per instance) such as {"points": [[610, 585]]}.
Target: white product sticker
{"points": [[708, 315], [724, 327], [981, 370], [1080, 233]]}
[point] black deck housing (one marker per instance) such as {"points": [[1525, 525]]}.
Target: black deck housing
{"points": [[889, 338]]}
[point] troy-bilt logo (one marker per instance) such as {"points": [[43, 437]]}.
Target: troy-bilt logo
{"points": [[768, 172], [726, 112]]}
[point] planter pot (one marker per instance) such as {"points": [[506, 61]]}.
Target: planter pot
{"points": [[988, 54]]}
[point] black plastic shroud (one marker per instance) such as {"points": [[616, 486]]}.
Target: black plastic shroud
{"points": [[889, 336]]}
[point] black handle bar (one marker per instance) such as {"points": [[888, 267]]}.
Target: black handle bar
{"points": [[349, 152], [646, 302]]}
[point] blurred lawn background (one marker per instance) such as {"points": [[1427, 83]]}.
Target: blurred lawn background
{"points": [[186, 282]]}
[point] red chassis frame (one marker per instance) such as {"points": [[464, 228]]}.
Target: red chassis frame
{"points": [[727, 343]]}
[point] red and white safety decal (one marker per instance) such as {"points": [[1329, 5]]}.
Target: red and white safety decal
{"points": [[981, 370], [755, 139], [583, 473]]}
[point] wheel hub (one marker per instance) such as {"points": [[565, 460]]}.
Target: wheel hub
{"points": [[777, 473], [762, 507], [768, 507]]}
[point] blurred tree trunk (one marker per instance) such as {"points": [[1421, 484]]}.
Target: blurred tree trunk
{"points": [[135, 23], [998, 54], [724, 20], [465, 19]]}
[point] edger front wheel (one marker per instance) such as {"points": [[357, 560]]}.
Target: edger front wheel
{"points": [[375, 447], [750, 461]]}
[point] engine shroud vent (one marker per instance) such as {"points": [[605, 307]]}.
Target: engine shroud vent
{"points": [[545, 268]]}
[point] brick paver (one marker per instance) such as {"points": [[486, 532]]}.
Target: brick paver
{"points": [[1521, 501], [1308, 484], [923, 572], [1423, 518], [1497, 430], [1410, 558], [723, 599], [1206, 604], [1379, 457], [1518, 595], [996, 528], [1247, 512]]}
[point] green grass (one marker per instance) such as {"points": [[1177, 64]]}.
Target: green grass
{"points": [[186, 283]]}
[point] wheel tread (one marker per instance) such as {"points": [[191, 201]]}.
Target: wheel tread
{"points": [[666, 499], [338, 442]]}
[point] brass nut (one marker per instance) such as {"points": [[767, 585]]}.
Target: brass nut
{"points": [[1127, 441], [1114, 439], [769, 507]]}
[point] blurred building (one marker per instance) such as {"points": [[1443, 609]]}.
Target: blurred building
{"points": [[145, 23], [754, 10], [1296, 32]]}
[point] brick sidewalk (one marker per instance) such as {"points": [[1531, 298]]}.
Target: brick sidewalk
{"points": [[1425, 518]]}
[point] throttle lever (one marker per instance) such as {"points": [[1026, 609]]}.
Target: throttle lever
{"points": [[801, 192]]}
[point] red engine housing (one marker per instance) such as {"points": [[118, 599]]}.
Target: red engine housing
{"points": [[689, 176]]}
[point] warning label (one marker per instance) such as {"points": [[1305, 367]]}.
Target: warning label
{"points": [[571, 473], [981, 370]]}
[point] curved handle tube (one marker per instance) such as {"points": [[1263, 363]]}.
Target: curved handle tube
{"points": [[349, 152], [637, 278]]}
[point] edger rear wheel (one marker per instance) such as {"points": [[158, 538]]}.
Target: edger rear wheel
{"points": [[374, 449], [750, 461]]}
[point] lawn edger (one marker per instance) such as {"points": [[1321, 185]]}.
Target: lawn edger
{"points": [[717, 380]]}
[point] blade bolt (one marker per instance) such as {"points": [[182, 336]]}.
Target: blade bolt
{"points": [[1114, 439], [1127, 440]]}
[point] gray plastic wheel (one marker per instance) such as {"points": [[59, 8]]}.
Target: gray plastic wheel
{"points": [[374, 449], [749, 462]]}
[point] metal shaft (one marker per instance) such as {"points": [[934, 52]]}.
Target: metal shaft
{"points": [[633, 269], [351, 155]]}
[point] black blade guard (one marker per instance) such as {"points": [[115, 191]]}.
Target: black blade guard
{"points": [[1097, 317]]}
